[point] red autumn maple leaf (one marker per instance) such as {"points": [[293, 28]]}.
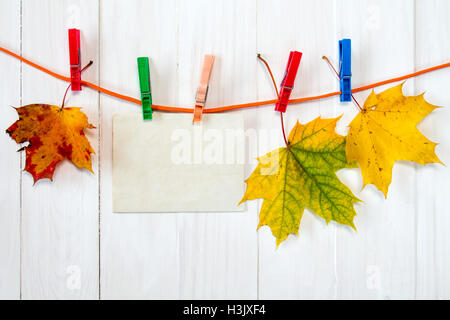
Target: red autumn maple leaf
{"points": [[53, 133]]}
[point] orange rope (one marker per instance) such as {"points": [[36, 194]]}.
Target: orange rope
{"points": [[224, 108]]}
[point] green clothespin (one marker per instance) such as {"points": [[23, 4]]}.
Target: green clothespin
{"points": [[146, 90]]}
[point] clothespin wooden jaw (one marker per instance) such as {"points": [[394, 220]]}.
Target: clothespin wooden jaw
{"points": [[345, 69], [202, 90], [288, 80], [75, 59], [145, 86]]}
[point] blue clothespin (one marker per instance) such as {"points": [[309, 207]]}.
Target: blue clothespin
{"points": [[345, 69]]}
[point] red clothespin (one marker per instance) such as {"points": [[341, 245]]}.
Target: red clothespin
{"points": [[75, 59], [288, 81], [202, 90]]}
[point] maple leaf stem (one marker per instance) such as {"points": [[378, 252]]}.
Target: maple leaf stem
{"points": [[284, 132], [278, 96], [64, 97], [65, 93], [337, 74], [87, 66], [271, 74]]}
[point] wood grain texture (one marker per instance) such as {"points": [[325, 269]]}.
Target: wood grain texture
{"points": [[139, 252], [379, 261], [10, 159], [217, 251], [61, 239], [433, 181], [60, 218], [294, 271]]}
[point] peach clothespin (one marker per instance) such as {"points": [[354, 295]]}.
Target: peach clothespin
{"points": [[202, 90]]}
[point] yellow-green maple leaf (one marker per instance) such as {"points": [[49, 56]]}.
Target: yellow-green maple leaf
{"points": [[303, 175], [385, 131]]}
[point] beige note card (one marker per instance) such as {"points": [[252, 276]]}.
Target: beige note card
{"points": [[169, 164]]}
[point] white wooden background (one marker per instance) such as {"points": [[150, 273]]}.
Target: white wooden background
{"points": [[61, 240]]}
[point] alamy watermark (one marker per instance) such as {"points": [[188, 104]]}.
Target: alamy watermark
{"points": [[224, 147], [73, 280]]}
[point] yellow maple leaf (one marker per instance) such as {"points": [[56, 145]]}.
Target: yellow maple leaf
{"points": [[385, 131], [53, 133], [303, 175]]}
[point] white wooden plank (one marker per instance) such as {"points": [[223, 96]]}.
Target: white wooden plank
{"points": [[60, 218], [10, 159], [302, 267], [401, 249], [218, 251], [139, 252], [433, 181], [378, 261]]}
